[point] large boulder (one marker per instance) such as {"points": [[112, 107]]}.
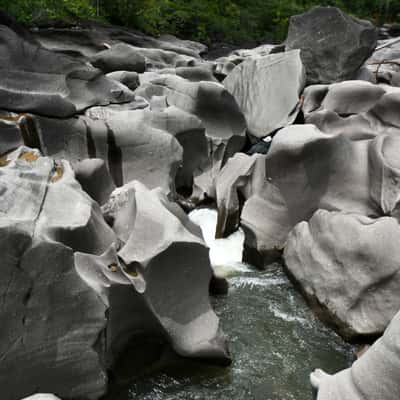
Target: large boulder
{"points": [[307, 170], [246, 196], [376, 375], [52, 322], [347, 265], [268, 90], [38, 80], [169, 294], [215, 107], [333, 45]]}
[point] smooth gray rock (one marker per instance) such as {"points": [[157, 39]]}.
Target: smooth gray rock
{"points": [[240, 178], [128, 78], [219, 113], [307, 170], [355, 108], [89, 37], [267, 90], [37, 80], [156, 238], [120, 57], [95, 179], [374, 376], [10, 135], [48, 313], [347, 265], [333, 45]]}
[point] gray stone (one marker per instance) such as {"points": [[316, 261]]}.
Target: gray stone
{"points": [[37, 80], [347, 265], [48, 313], [156, 238], [120, 57], [333, 45], [374, 376], [267, 90], [219, 113], [355, 108]]}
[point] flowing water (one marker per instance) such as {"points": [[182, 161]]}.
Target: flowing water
{"points": [[275, 340]]}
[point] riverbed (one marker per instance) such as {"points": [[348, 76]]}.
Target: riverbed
{"points": [[274, 338]]}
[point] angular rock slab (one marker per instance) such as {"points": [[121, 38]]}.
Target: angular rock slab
{"points": [[239, 179], [157, 238], [38, 80], [267, 90], [376, 375], [333, 45], [347, 265]]}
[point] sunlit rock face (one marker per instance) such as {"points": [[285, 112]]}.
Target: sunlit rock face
{"points": [[374, 376], [333, 45], [271, 101]]}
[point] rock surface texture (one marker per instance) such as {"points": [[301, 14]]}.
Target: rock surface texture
{"points": [[374, 376], [333, 45], [271, 101], [347, 265]]}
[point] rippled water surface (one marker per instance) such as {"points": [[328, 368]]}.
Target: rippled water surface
{"points": [[274, 338]]}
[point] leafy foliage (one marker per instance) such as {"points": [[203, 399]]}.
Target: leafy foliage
{"points": [[204, 20]]}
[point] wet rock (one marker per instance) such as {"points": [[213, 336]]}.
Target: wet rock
{"points": [[374, 376], [172, 293], [120, 57], [333, 45], [37, 80], [350, 277], [271, 101]]}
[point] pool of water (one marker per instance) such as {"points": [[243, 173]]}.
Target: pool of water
{"points": [[274, 338]]}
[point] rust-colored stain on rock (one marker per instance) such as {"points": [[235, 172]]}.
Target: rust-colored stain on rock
{"points": [[29, 157], [58, 174]]}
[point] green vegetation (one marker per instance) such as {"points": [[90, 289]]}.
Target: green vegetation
{"points": [[204, 20]]}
